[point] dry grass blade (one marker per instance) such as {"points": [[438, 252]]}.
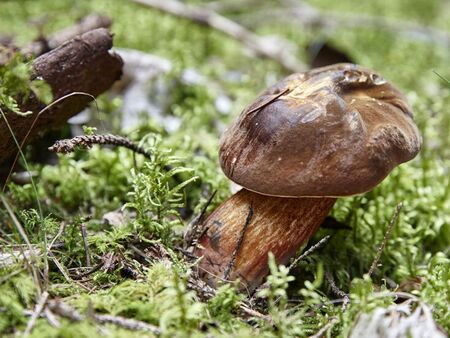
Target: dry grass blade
{"points": [[46, 108], [273, 99], [85, 243], [24, 236]]}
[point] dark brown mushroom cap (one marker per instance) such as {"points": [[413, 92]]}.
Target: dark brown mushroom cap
{"points": [[332, 131]]}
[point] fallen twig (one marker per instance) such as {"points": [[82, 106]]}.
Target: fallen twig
{"points": [[308, 252], [95, 268], [24, 236], [64, 310], [87, 141], [278, 53], [85, 243], [385, 239], [193, 233], [130, 324], [67, 311], [294, 263], [337, 291], [36, 313], [230, 266], [324, 328], [252, 312]]}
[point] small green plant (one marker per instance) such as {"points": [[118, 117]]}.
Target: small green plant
{"points": [[157, 192], [224, 303], [435, 289], [184, 314], [276, 295]]}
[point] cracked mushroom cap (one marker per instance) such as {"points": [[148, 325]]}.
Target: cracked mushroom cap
{"points": [[331, 131]]}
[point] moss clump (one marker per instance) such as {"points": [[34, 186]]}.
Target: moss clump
{"points": [[141, 272]]}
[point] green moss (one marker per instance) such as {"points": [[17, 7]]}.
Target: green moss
{"points": [[160, 202]]}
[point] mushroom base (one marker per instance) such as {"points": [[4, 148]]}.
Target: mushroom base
{"points": [[278, 225]]}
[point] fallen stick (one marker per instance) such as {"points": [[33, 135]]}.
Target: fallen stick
{"points": [[67, 311], [84, 64], [277, 52], [84, 25], [87, 141], [36, 313]]}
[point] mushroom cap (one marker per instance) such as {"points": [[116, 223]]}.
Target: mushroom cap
{"points": [[332, 131]]}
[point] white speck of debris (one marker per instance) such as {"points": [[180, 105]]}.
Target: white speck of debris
{"points": [[234, 160], [279, 158], [223, 104]]}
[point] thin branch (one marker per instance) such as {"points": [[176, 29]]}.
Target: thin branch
{"points": [[52, 244], [36, 313], [338, 292], [386, 238], [316, 246], [204, 16], [67, 311], [230, 266], [64, 273], [251, 312], [95, 268], [193, 232], [127, 323], [294, 263], [24, 236], [324, 328], [51, 318], [85, 243], [64, 310], [87, 141]]}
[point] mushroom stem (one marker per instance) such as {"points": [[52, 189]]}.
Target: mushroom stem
{"points": [[238, 245]]}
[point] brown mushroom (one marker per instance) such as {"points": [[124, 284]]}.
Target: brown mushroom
{"points": [[312, 137]]}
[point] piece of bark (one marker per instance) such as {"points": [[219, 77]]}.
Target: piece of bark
{"points": [[83, 64], [84, 25]]}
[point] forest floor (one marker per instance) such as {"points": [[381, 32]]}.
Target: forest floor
{"points": [[101, 229]]}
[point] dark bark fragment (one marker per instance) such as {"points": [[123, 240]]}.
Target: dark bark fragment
{"points": [[83, 64]]}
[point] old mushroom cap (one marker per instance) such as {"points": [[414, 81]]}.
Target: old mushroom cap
{"points": [[332, 131]]}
